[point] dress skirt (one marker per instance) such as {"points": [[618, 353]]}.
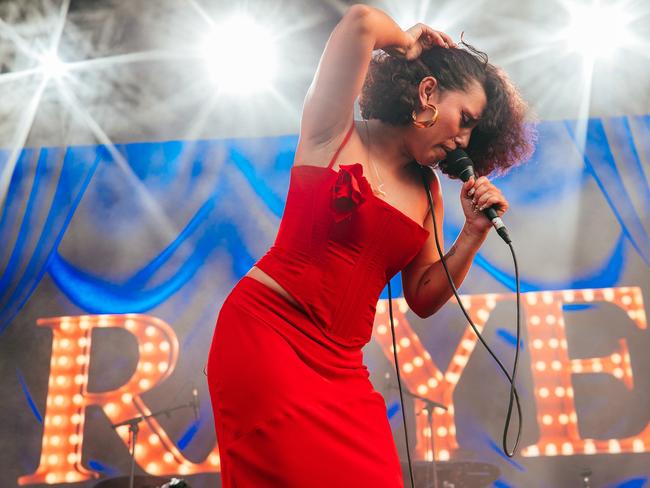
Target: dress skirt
{"points": [[292, 408]]}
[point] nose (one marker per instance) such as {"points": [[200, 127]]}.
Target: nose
{"points": [[462, 140]]}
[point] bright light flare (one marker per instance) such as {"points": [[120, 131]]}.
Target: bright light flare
{"points": [[598, 30], [241, 56], [52, 66]]}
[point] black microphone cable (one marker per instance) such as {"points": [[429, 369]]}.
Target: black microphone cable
{"points": [[514, 395], [399, 385]]}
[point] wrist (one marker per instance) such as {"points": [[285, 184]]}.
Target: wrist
{"points": [[474, 234]]}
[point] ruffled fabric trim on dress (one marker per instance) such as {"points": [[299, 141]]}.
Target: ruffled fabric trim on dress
{"points": [[350, 190]]}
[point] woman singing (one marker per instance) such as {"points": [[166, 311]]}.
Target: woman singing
{"points": [[293, 404]]}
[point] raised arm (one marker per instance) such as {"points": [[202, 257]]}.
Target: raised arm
{"points": [[329, 104]]}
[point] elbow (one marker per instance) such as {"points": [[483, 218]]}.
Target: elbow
{"points": [[358, 11], [358, 15], [421, 313], [424, 313], [418, 308], [423, 310], [423, 298]]}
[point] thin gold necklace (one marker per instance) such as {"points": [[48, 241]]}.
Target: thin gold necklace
{"points": [[380, 187]]}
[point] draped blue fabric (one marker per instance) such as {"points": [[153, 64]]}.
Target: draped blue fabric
{"points": [[613, 157], [41, 219], [167, 228], [208, 190]]}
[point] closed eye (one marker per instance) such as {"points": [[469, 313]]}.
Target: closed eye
{"points": [[468, 121]]}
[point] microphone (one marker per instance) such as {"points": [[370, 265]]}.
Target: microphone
{"points": [[459, 164], [195, 403]]}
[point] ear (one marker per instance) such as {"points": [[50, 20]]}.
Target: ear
{"points": [[427, 89]]}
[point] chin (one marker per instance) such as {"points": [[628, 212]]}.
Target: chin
{"points": [[432, 162]]}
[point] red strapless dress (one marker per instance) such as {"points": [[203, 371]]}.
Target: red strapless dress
{"points": [[293, 405]]}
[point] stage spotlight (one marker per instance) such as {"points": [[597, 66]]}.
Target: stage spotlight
{"points": [[598, 30], [52, 66], [241, 56]]}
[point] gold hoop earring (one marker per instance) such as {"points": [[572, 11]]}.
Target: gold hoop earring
{"points": [[423, 124]]}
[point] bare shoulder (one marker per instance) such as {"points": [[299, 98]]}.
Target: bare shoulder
{"points": [[419, 176]]}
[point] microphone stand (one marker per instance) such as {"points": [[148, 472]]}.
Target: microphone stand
{"points": [[429, 405], [134, 428]]}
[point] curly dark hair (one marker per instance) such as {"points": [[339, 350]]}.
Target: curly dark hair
{"points": [[501, 139]]}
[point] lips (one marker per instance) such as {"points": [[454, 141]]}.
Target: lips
{"points": [[442, 151]]}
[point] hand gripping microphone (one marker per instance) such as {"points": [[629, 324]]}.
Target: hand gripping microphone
{"points": [[460, 165]]}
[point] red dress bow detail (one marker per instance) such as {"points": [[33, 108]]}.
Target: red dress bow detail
{"points": [[349, 191]]}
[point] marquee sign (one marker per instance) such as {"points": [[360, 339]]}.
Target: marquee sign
{"points": [[156, 453]]}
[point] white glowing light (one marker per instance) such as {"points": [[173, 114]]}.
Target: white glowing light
{"points": [[240, 55], [551, 450], [598, 30], [52, 66], [214, 459], [531, 451]]}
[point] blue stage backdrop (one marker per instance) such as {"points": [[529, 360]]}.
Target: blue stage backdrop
{"points": [[115, 261]]}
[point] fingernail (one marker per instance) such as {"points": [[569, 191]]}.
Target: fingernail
{"points": [[470, 192], [481, 208]]}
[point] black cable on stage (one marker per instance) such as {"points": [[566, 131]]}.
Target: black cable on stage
{"points": [[513, 390], [399, 384], [514, 395]]}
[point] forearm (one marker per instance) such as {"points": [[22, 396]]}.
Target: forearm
{"points": [[433, 289]]}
